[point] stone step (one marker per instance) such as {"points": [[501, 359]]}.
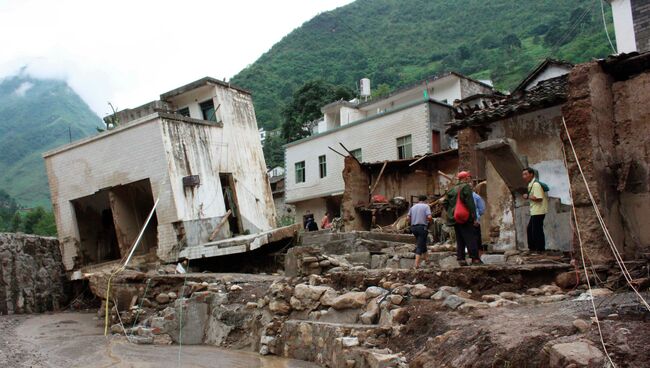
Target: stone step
{"points": [[350, 326], [326, 343]]}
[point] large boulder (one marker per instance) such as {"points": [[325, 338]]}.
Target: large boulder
{"points": [[279, 306], [349, 300], [580, 353], [304, 292], [421, 291], [453, 301], [371, 314]]}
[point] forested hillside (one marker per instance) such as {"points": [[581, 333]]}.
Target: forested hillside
{"points": [[395, 42], [36, 115]]}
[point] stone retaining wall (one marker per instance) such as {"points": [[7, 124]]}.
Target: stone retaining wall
{"points": [[32, 279]]}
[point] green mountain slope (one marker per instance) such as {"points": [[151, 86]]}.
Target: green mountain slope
{"points": [[35, 116], [400, 41]]}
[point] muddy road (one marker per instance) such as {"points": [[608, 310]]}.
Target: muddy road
{"points": [[76, 340]]}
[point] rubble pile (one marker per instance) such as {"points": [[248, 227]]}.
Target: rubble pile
{"points": [[338, 313]]}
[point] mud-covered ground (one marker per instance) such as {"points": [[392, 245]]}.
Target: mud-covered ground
{"points": [[518, 334], [77, 340]]}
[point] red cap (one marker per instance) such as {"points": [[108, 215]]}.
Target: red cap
{"points": [[464, 175]]}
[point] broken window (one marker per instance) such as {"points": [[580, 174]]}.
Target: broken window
{"points": [[357, 154], [404, 147], [322, 166], [185, 111], [208, 111], [300, 172]]}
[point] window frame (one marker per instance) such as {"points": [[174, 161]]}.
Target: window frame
{"points": [[301, 170], [403, 145], [185, 111], [322, 166], [203, 110], [359, 157]]}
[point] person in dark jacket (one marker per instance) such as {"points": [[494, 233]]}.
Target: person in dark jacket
{"points": [[465, 232], [311, 224]]}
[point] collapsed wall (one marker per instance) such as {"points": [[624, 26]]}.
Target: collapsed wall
{"points": [[607, 118], [32, 279]]}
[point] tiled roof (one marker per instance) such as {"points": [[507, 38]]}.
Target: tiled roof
{"points": [[547, 93]]}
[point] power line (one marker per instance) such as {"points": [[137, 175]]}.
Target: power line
{"points": [[602, 11]]}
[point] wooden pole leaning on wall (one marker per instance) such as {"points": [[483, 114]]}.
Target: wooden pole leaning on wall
{"points": [[350, 153], [381, 172], [126, 262], [220, 225]]}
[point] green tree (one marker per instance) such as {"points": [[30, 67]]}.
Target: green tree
{"points": [[382, 90], [16, 223], [511, 41], [306, 104], [273, 150], [8, 208], [46, 225], [32, 218]]}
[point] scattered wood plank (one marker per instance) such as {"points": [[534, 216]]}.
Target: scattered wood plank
{"points": [[381, 172]]}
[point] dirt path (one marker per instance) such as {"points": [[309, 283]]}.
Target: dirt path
{"points": [[76, 340]]}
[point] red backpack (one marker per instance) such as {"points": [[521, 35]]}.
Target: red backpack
{"points": [[461, 213]]}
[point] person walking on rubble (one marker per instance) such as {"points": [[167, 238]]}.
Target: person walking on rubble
{"points": [[311, 225], [419, 217], [480, 210], [461, 214], [538, 209]]}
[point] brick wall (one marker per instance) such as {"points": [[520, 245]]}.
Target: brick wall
{"points": [[122, 156]]}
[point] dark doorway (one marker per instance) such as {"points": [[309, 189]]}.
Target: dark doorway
{"points": [[230, 200], [333, 206], [110, 221], [97, 237], [131, 204]]}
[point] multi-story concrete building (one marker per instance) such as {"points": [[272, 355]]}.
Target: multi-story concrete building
{"points": [[197, 150], [407, 123], [631, 25]]}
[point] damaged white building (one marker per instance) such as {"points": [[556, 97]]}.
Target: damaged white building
{"points": [[197, 150]]}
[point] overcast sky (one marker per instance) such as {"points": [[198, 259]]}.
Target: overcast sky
{"points": [[129, 52]]}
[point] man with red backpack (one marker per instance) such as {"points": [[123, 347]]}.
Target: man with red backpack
{"points": [[461, 214]]}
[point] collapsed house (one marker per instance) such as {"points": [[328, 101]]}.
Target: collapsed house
{"points": [[498, 138], [196, 151], [603, 104], [397, 182]]}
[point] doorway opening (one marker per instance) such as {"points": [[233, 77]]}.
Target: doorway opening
{"points": [[109, 222], [230, 200]]}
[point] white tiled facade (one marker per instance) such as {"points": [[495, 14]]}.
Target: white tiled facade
{"points": [[374, 128], [377, 140]]}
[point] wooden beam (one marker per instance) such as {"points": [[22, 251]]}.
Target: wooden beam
{"points": [[336, 151], [220, 225], [381, 172], [445, 175], [350, 153], [419, 159]]}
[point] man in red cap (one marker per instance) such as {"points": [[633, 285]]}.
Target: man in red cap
{"points": [[461, 214]]}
